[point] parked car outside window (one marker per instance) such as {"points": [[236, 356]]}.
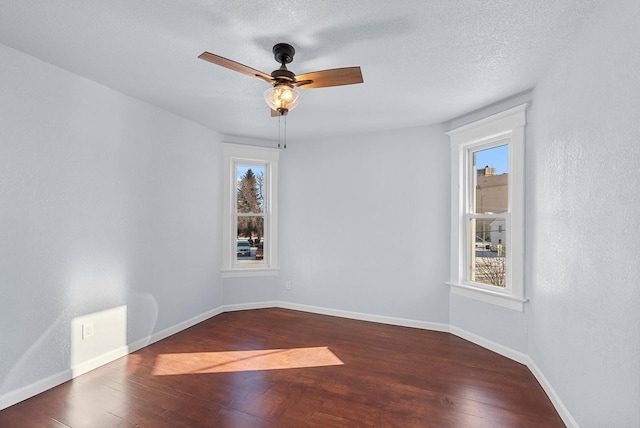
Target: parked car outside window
{"points": [[244, 249]]}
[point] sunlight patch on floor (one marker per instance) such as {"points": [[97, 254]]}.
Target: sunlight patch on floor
{"points": [[237, 361]]}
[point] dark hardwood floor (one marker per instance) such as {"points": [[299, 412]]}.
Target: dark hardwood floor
{"points": [[283, 368]]}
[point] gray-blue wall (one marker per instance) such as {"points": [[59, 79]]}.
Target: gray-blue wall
{"points": [[109, 202], [106, 202]]}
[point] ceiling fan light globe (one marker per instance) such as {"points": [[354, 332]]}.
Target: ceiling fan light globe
{"points": [[282, 97]]}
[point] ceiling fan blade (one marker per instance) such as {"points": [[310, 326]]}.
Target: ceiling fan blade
{"points": [[235, 66], [332, 77]]}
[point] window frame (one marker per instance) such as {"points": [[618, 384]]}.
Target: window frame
{"points": [[505, 127], [234, 155]]}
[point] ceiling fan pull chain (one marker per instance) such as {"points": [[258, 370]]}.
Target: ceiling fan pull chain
{"points": [[285, 131], [279, 117]]}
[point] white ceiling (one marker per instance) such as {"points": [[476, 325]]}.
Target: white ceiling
{"points": [[423, 61]]}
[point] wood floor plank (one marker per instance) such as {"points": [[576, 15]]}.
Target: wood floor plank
{"points": [[283, 368]]}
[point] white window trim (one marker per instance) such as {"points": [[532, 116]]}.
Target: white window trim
{"points": [[510, 125], [250, 155]]}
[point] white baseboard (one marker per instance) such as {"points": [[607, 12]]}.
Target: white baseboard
{"points": [[101, 360], [14, 397], [28, 391], [249, 306], [527, 361], [552, 394], [382, 319], [139, 344], [38, 387], [490, 345]]}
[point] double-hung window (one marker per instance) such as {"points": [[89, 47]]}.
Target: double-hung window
{"points": [[487, 206], [250, 217]]}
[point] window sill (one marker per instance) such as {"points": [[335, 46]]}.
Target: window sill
{"points": [[488, 296], [249, 272]]}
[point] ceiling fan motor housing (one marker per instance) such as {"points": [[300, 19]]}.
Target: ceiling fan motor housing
{"points": [[283, 53]]}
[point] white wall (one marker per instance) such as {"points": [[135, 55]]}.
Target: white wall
{"points": [[583, 234], [240, 291], [106, 203], [364, 224], [580, 328]]}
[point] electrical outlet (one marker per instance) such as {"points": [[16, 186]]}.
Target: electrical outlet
{"points": [[287, 285], [87, 330]]}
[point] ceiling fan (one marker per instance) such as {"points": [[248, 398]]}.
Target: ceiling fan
{"points": [[282, 97]]}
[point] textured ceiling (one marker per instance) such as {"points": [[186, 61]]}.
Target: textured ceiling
{"points": [[423, 61]]}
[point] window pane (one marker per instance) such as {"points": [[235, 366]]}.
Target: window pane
{"points": [[487, 252], [491, 173], [260, 251], [250, 240], [250, 189]]}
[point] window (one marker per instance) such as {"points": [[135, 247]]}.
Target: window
{"points": [[487, 206], [250, 218]]}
